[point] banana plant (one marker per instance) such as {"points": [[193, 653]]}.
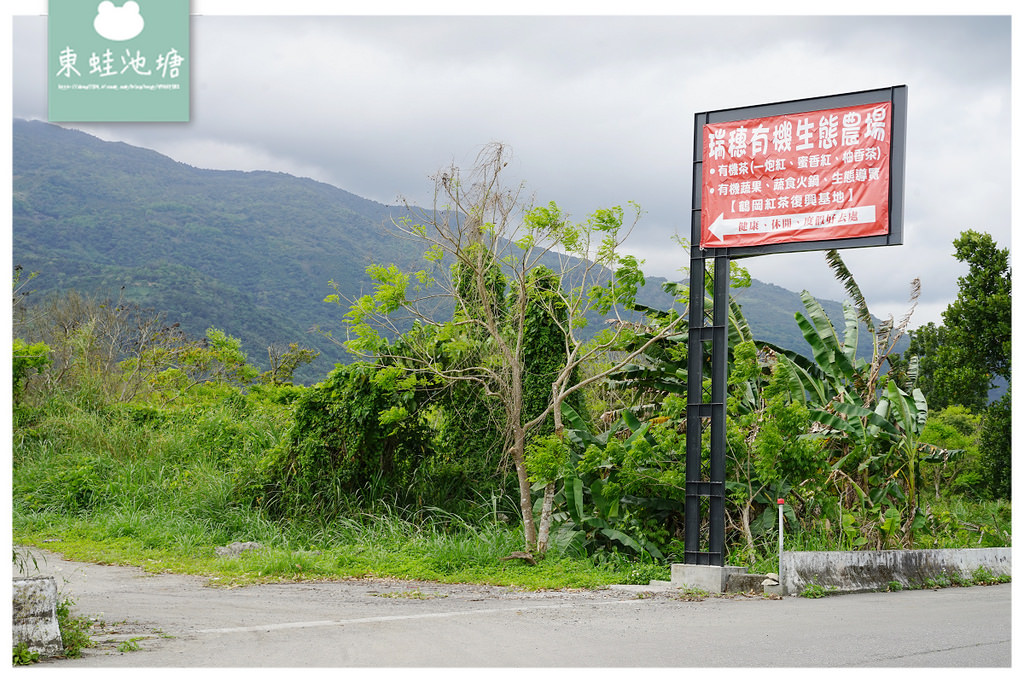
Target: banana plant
{"points": [[590, 509], [833, 373], [870, 424], [875, 434], [598, 518], [909, 413]]}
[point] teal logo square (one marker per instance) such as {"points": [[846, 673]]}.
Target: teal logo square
{"points": [[118, 60]]}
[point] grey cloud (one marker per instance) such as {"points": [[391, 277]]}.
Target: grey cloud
{"points": [[599, 111]]}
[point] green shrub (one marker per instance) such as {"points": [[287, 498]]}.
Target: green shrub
{"points": [[813, 590], [352, 433], [27, 358], [23, 656], [74, 630]]}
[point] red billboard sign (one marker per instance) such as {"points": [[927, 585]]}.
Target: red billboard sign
{"points": [[809, 176]]}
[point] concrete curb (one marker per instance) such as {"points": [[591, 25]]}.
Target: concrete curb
{"points": [[865, 571], [35, 615]]}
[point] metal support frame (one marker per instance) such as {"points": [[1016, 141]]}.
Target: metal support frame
{"points": [[705, 485]]}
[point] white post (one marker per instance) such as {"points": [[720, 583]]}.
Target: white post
{"points": [[782, 502]]}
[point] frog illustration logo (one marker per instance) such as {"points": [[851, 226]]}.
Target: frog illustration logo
{"points": [[118, 23]]}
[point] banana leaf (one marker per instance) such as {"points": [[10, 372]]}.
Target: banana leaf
{"points": [[574, 497]]}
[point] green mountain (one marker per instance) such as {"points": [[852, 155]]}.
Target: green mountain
{"points": [[250, 253]]}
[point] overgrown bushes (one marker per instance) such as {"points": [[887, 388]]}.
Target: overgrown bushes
{"points": [[351, 434], [366, 435]]}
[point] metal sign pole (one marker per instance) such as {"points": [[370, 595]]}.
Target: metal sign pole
{"points": [[704, 512], [704, 522], [694, 414]]}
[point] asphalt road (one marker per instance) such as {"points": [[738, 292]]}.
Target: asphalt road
{"points": [[180, 621]]}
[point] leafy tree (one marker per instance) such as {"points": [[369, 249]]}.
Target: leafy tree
{"points": [[995, 452], [483, 247], [979, 319], [956, 430], [284, 363], [945, 385], [544, 352], [178, 365], [961, 359]]}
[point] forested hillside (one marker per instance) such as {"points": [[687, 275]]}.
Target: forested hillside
{"points": [[250, 253]]}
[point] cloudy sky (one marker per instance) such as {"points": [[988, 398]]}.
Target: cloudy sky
{"points": [[598, 109]]}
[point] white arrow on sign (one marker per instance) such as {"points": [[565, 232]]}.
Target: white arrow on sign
{"points": [[820, 220]]}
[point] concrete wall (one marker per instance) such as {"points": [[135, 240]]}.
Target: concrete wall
{"points": [[861, 571]]}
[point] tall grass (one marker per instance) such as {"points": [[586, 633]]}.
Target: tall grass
{"points": [[162, 477], [162, 488]]}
